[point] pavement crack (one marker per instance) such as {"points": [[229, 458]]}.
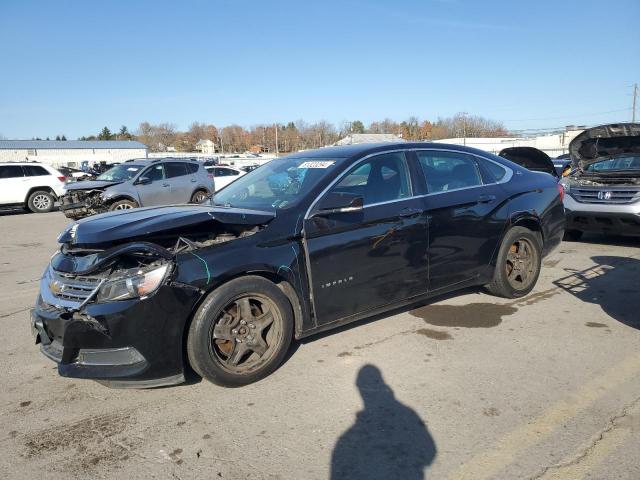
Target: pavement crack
{"points": [[5, 315], [610, 425]]}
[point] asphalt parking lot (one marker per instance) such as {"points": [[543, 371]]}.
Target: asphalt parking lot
{"points": [[464, 387]]}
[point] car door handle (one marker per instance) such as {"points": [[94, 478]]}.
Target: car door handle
{"points": [[193, 180], [486, 198], [410, 212], [165, 184]]}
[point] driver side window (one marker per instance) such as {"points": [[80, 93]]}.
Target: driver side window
{"points": [[155, 172], [382, 178]]}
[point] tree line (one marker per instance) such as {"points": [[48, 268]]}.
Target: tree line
{"points": [[298, 135]]}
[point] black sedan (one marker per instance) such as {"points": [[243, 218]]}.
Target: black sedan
{"points": [[303, 244]]}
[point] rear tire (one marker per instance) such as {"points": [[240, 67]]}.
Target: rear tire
{"points": [[572, 235], [517, 265], [123, 205], [41, 201], [199, 196], [241, 332]]}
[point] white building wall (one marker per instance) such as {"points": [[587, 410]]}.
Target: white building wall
{"points": [[552, 144], [72, 157]]}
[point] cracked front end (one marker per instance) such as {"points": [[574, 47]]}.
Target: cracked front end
{"points": [[113, 316], [77, 204]]}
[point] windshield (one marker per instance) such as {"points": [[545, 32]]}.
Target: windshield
{"points": [[120, 173], [278, 184], [619, 163]]}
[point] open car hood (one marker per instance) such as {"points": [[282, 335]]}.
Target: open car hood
{"points": [[598, 143], [530, 158], [155, 224]]}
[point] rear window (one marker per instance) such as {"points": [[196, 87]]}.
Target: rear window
{"points": [[34, 170], [11, 171]]}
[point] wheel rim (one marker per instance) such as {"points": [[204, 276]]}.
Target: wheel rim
{"points": [[246, 334], [123, 206], [41, 202], [520, 265], [200, 196]]}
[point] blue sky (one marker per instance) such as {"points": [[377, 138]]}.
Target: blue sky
{"points": [[74, 66]]}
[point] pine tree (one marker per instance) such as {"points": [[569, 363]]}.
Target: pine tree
{"points": [[105, 134]]}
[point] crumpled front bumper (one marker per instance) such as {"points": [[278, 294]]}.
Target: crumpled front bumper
{"points": [[129, 343]]}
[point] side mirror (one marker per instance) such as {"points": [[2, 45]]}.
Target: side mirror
{"points": [[339, 202], [143, 181]]}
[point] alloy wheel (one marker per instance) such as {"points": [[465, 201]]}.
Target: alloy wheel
{"points": [[123, 206], [246, 334], [521, 264], [42, 202]]}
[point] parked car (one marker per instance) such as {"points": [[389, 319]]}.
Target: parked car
{"points": [[562, 164], [531, 158], [603, 190], [138, 183], [249, 168], [73, 174], [33, 186], [225, 285], [223, 176]]}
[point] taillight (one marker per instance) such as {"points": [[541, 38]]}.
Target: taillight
{"points": [[62, 179], [561, 191]]}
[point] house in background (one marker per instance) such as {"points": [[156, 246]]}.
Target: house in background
{"points": [[206, 146]]}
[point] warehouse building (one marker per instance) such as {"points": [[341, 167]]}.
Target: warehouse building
{"points": [[70, 153]]}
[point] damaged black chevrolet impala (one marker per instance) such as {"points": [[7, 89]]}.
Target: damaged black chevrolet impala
{"points": [[301, 245]]}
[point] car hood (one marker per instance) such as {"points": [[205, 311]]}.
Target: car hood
{"points": [[136, 224], [90, 185], [530, 158], [598, 143]]}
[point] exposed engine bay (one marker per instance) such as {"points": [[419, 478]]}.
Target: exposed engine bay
{"points": [[81, 203]]}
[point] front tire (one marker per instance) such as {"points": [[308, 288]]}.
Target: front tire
{"points": [[241, 332], [123, 205], [41, 201], [517, 265]]}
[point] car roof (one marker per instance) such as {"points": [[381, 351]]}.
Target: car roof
{"points": [[348, 152], [146, 161]]}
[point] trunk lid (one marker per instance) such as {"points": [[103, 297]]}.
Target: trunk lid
{"points": [[530, 158]]}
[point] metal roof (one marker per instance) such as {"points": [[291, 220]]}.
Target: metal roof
{"points": [[69, 144]]}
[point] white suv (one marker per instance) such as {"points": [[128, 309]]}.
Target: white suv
{"points": [[31, 185]]}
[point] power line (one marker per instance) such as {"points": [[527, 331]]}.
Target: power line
{"points": [[569, 116]]}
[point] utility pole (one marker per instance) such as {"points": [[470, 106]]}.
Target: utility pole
{"points": [[635, 96], [277, 152], [464, 128]]}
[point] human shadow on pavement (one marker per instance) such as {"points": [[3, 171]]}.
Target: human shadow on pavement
{"points": [[611, 283], [388, 439]]}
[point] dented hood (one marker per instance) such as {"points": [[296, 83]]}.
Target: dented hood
{"points": [[598, 143], [145, 223], [530, 158], [89, 185]]}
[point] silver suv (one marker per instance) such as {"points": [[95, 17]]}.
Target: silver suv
{"points": [[603, 190], [138, 183]]}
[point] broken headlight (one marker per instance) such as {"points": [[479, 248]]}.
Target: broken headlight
{"points": [[134, 283]]}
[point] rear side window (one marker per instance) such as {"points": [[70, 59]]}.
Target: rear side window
{"points": [[446, 171], [11, 171], [192, 167], [175, 169], [497, 172], [34, 170]]}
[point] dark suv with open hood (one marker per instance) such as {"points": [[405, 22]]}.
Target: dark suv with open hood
{"points": [[603, 190], [303, 244]]}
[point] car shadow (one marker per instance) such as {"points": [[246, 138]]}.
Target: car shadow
{"points": [[387, 440], [611, 283], [607, 239]]}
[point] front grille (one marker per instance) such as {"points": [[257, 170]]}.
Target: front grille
{"points": [[605, 195], [72, 287]]}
